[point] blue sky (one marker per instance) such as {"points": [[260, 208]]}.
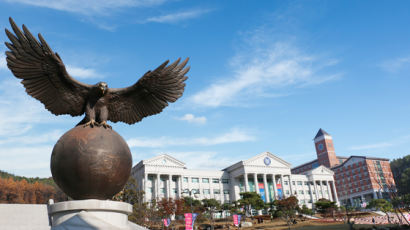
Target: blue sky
{"points": [[265, 76]]}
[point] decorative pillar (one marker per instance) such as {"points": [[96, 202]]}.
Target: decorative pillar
{"points": [[179, 188], [321, 189], [374, 195], [311, 192], [157, 186], [170, 191], [246, 183], [335, 192], [255, 181], [146, 186], [265, 184], [329, 193], [290, 186], [283, 188], [316, 190], [275, 189]]}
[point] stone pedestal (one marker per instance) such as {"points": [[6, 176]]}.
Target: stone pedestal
{"points": [[90, 214]]}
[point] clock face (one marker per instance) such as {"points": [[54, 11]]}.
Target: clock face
{"points": [[267, 161], [320, 146]]}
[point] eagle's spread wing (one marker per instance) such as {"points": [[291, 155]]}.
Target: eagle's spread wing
{"points": [[150, 95], [43, 73]]}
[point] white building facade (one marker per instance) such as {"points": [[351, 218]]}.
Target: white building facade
{"points": [[268, 175]]}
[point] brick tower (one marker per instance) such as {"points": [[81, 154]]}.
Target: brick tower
{"points": [[324, 149]]}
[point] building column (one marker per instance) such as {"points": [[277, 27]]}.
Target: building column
{"points": [[374, 195], [316, 190], [265, 184], [335, 192], [351, 201], [321, 189], [157, 186], [329, 193], [179, 188], [246, 182], [275, 189], [283, 188], [290, 184], [362, 198], [146, 186], [255, 181], [170, 190], [311, 192], [380, 194]]}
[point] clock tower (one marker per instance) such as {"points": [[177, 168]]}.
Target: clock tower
{"points": [[324, 149]]}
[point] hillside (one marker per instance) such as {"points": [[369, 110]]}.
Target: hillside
{"points": [[27, 190]]}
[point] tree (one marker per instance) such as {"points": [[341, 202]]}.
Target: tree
{"points": [[286, 209], [135, 197], [325, 206], [307, 211], [251, 200], [211, 205], [401, 173], [166, 207], [382, 205]]}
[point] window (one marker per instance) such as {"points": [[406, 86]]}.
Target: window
{"points": [[174, 179], [300, 191], [195, 191], [215, 181], [226, 191], [299, 182], [307, 191], [217, 191], [205, 180], [287, 192], [225, 181], [186, 190], [195, 180], [305, 183], [293, 183], [207, 191], [186, 179], [285, 182], [162, 190], [175, 190]]}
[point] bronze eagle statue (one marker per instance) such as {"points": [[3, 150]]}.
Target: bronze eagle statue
{"points": [[45, 78]]}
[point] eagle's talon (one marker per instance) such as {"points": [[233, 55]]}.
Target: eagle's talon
{"points": [[91, 123], [105, 125]]}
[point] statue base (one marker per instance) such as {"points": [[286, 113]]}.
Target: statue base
{"points": [[91, 214]]}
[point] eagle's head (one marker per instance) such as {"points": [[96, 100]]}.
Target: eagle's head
{"points": [[102, 87]]}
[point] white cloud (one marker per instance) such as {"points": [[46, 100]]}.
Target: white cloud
{"points": [[396, 65], [83, 73], [89, 7], [193, 119], [264, 67], [234, 136], [177, 17]]}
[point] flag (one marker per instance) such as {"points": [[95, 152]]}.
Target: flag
{"points": [[190, 220], [236, 220], [167, 222]]}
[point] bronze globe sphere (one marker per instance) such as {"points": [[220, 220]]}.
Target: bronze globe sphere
{"points": [[91, 163]]}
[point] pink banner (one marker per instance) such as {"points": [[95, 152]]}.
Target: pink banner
{"points": [[188, 221]]}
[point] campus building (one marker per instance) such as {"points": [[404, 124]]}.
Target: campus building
{"points": [[270, 176], [359, 179]]}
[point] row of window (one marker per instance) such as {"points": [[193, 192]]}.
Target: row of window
{"points": [[206, 191], [206, 180]]}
